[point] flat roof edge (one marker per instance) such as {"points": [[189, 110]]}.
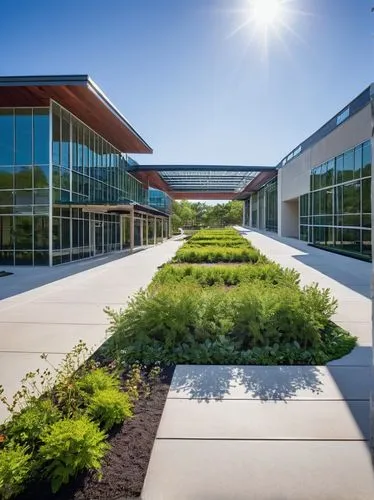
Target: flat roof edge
{"points": [[108, 103], [355, 106], [35, 80], [82, 80]]}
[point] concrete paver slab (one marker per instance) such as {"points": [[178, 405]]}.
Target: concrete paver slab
{"points": [[14, 366], [271, 382], [254, 419], [304, 426], [360, 329], [50, 310], [64, 313], [41, 337], [360, 356], [259, 470]]}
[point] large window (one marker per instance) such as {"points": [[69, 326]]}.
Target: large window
{"points": [[271, 205], [337, 212], [24, 186]]}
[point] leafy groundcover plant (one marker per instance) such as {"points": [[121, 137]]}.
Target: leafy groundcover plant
{"points": [[59, 419], [216, 254], [251, 313]]}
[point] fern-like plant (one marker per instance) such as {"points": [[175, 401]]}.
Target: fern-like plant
{"points": [[71, 446], [109, 407], [15, 467]]}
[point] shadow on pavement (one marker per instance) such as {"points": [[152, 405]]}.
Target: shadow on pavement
{"points": [[27, 278], [259, 382], [350, 272]]}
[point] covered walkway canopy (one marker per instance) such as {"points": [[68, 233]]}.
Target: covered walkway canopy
{"points": [[205, 181]]}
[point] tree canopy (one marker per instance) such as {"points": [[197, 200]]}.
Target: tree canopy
{"points": [[199, 214]]}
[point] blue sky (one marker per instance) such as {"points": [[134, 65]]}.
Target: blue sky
{"points": [[197, 93]]}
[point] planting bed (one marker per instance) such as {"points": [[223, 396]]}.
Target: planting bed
{"points": [[200, 310], [86, 429], [125, 465], [83, 430]]}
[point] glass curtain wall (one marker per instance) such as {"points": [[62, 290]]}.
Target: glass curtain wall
{"points": [[261, 209], [160, 200], [271, 205], [24, 186], [264, 207], [337, 211], [246, 212], [87, 168], [254, 210]]}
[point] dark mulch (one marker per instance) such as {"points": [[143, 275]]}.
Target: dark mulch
{"points": [[126, 463]]}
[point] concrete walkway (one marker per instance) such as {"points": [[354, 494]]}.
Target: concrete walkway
{"points": [[274, 432], [65, 304]]}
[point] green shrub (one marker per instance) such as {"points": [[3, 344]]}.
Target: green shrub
{"points": [[335, 343], [266, 315], [185, 313], [206, 234], [218, 242], [15, 467], [216, 254], [225, 275], [27, 426], [109, 407], [97, 380], [189, 317], [71, 446]]}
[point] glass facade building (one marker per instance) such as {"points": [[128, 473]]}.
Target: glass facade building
{"points": [[261, 208], [66, 192], [322, 194], [336, 213]]}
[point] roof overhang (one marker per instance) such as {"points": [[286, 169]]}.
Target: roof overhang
{"points": [[82, 97], [105, 208], [257, 183], [203, 181]]}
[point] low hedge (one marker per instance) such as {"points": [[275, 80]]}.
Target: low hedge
{"points": [[254, 312], [176, 324], [224, 242], [212, 254], [225, 275]]}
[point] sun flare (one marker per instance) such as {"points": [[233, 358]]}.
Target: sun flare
{"points": [[266, 13]]}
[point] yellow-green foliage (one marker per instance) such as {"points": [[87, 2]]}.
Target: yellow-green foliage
{"points": [[213, 254], [71, 446], [27, 426], [109, 407], [97, 380], [15, 467], [227, 275]]}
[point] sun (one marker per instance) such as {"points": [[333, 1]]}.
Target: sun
{"points": [[267, 13]]}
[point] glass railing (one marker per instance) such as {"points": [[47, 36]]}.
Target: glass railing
{"points": [[159, 200]]}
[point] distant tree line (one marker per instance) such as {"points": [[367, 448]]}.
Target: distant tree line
{"points": [[187, 214]]}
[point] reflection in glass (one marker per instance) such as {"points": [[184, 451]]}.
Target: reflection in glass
{"points": [[23, 232], [23, 148], [23, 177], [6, 137], [41, 232], [41, 176], [41, 136], [6, 177], [6, 232], [341, 214]]}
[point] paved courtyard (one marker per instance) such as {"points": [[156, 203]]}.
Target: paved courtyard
{"points": [[47, 310], [278, 432]]}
